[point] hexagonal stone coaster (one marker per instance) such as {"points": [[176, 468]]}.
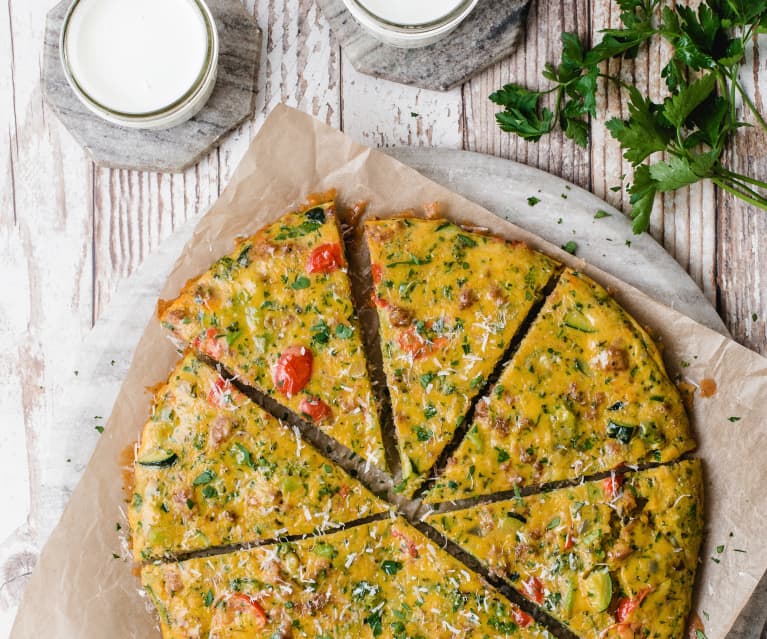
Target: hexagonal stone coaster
{"points": [[487, 36], [232, 102]]}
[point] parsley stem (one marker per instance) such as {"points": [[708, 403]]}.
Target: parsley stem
{"points": [[746, 190], [733, 191], [744, 178], [749, 102]]}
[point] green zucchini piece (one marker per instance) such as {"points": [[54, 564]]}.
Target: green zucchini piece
{"points": [[599, 590], [578, 321], [157, 458]]}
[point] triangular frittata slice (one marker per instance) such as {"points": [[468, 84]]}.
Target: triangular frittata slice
{"points": [[586, 392], [214, 469], [277, 312], [381, 580], [614, 558], [449, 303]]}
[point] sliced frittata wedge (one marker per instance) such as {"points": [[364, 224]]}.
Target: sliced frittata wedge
{"points": [[382, 579], [614, 558], [586, 392], [277, 312], [213, 469], [449, 303]]}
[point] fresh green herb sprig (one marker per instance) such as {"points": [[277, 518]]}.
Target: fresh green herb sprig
{"points": [[692, 126]]}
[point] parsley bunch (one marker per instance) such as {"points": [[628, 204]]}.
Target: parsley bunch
{"points": [[692, 126]]}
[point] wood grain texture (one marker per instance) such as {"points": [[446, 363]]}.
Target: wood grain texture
{"points": [[46, 259], [69, 232], [742, 255]]}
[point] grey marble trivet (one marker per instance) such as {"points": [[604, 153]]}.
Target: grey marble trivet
{"points": [[488, 35], [232, 102]]}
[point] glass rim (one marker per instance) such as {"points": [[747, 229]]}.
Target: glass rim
{"points": [[423, 27], [198, 86]]}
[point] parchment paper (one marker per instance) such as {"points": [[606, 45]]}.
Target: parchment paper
{"points": [[80, 591]]}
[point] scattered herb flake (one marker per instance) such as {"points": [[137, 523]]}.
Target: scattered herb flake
{"points": [[571, 247], [601, 213], [204, 478], [391, 567], [532, 200]]}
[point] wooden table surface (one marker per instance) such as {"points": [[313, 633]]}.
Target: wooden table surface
{"points": [[70, 231]]}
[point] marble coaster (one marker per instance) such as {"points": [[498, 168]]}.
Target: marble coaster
{"points": [[232, 102], [488, 35]]}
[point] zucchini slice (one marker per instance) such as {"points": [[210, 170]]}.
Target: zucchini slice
{"points": [[578, 321], [157, 458], [599, 590]]}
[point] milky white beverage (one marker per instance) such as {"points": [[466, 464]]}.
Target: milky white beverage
{"points": [[137, 56], [411, 12]]}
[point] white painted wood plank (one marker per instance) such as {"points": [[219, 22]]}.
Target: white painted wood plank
{"points": [[382, 114], [540, 43], [45, 238], [301, 68]]}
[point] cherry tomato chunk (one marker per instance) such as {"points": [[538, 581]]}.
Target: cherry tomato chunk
{"points": [[413, 344], [314, 408], [612, 485], [211, 343], [522, 619], [293, 370], [533, 589], [377, 271], [220, 393], [628, 605], [325, 259], [238, 615]]}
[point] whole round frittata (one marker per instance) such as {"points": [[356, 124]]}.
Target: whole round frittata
{"points": [[519, 469]]}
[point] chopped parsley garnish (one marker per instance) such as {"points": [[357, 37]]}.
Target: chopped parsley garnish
{"points": [[391, 567], [301, 282], [571, 247], [203, 478], [343, 331]]}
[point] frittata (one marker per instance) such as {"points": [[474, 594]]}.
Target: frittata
{"points": [[383, 579], [585, 392], [612, 558], [214, 469], [449, 303], [277, 313]]}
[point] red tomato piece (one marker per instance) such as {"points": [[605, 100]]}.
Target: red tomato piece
{"points": [[407, 545], [314, 408], [628, 605], [522, 619], [325, 259], [413, 344], [240, 615], [220, 394], [612, 485], [533, 589], [378, 301], [293, 370], [212, 343], [377, 271], [569, 540]]}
